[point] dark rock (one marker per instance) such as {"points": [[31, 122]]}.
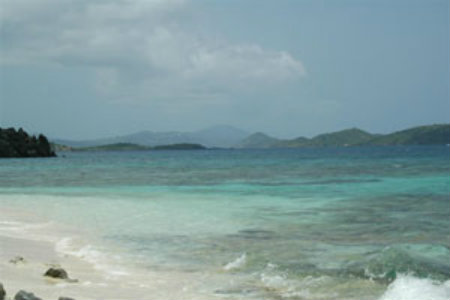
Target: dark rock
{"points": [[19, 144], [59, 273], [23, 295], [2, 292], [65, 298]]}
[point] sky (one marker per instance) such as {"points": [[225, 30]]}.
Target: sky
{"points": [[83, 69]]}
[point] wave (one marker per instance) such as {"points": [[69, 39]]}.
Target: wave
{"points": [[237, 263], [278, 284], [385, 266], [407, 287], [93, 255], [399, 272]]}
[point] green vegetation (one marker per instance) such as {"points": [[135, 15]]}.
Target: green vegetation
{"points": [[20, 144], [348, 137], [423, 135], [297, 142]]}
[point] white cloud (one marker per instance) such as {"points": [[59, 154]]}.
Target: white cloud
{"points": [[137, 48]]}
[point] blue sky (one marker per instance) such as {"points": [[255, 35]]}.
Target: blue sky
{"points": [[87, 69]]}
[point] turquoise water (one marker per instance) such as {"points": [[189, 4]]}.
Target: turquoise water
{"points": [[334, 223]]}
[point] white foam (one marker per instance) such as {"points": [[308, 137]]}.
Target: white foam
{"points": [[274, 281], [237, 263], [304, 288], [407, 287], [32, 231], [68, 246], [62, 246]]}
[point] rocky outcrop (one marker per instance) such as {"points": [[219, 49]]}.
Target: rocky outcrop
{"points": [[17, 143], [23, 295], [58, 273]]}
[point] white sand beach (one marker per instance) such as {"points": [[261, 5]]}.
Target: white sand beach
{"points": [[28, 249]]}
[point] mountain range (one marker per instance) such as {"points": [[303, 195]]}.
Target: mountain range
{"points": [[216, 136], [230, 137]]}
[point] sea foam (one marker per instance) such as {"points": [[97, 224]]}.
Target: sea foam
{"points": [[407, 287], [237, 263], [92, 255]]}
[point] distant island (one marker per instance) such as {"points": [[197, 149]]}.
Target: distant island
{"points": [[182, 146], [18, 143], [422, 135], [130, 147], [221, 136], [230, 137]]}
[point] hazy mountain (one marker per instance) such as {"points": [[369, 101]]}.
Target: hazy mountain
{"points": [[227, 136], [136, 147], [216, 136], [258, 140], [297, 142], [346, 137], [219, 136]]}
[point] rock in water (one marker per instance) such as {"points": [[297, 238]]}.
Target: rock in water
{"points": [[2, 292], [23, 295], [65, 298], [59, 273]]}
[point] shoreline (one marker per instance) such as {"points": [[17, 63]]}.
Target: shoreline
{"points": [[27, 253], [88, 282], [25, 256]]}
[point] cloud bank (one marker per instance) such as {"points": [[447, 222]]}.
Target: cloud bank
{"points": [[138, 49]]}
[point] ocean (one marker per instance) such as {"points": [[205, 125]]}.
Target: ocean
{"points": [[325, 223]]}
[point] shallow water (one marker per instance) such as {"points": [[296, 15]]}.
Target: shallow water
{"points": [[347, 223]]}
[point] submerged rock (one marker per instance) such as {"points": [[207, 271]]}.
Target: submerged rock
{"points": [[23, 295], [2, 292], [65, 298], [17, 259], [59, 273]]}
